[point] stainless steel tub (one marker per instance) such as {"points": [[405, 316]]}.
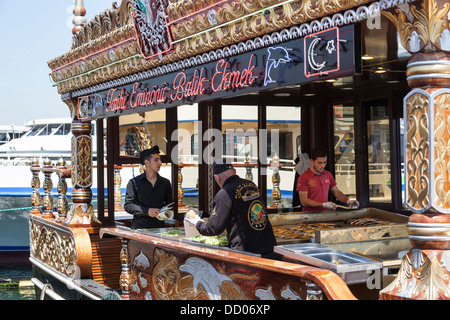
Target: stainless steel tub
{"points": [[352, 268]]}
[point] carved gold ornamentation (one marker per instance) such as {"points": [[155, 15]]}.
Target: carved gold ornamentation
{"points": [[427, 183], [35, 185], [442, 150], [422, 275], [125, 274], [62, 206], [48, 201], [53, 248], [180, 186], [417, 151], [117, 191], [107, 48], [426, 31], [81, 214], [167, 280], [117, 183], [81, 160], [276, 192]]}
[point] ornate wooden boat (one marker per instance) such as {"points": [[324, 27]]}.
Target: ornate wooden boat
{"points": [[138, 61]]}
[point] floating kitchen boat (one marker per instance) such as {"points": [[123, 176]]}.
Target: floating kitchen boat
{"points": [[133, 64]]}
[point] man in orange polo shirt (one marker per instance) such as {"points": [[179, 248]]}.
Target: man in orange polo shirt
{"points": [[315, 183]]}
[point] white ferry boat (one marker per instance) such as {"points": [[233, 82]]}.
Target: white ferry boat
{"points": [[51, 139], [44, 138], [11, 132]]}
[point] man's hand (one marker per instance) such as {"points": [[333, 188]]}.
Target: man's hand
{"points": [[192, 219], [153, 212], [329, 205], [352, 203]]}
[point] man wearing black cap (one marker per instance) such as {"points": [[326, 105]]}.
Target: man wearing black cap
{"points": [[238, 207], [148, 192]]}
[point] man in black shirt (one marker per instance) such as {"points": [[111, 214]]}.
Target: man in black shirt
{"points": [[148, 192], [238, 207]]}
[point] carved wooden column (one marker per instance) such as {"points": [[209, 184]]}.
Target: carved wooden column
{"points": [[181, 206], [62, 206], [125, 276], [248, 169], [81, 212], [48, 202], [424, 31], [117, 191], [276, 192], [36, 199]]}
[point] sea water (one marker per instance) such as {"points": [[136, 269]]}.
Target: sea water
{"points": [[20, 276], [14, 223], [14, 235]]}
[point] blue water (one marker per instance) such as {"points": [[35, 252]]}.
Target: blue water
{"points": [[14, 224], [14, 235], [15, 274]]}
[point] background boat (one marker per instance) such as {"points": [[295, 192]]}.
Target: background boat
{"points": [[10, 132]]}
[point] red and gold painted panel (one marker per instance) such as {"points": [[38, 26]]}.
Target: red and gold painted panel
{"points": [[154, 268], [158, 273]]}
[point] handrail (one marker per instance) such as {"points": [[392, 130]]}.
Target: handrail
{"points": [[329, 282]]}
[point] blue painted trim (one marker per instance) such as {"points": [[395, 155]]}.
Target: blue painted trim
{"points": [[14, 248], [26, 192]]}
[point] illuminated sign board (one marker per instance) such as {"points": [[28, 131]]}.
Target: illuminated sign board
{"points": [[327, 54]]}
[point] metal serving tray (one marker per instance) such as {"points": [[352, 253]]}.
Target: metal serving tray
{"points": [[352, 268]]}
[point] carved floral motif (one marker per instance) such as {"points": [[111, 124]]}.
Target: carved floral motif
{"points": [[421, 276], [417, 151], [54, 248], [422, 27], [441, 150]]}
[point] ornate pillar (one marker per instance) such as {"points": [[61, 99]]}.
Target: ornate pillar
{"points": [[62, 206], [48, 202], [117, 191], [276, 192], [36, 199], [125, 275], [423, 27], [81, 212], [181, 206]]}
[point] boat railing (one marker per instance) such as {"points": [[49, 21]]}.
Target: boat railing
{"points": [[47, 202], [45, 206]]}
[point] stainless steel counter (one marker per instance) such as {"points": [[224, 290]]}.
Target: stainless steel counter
{"points": [[351, 267]]}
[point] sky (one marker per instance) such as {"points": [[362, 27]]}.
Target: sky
{"points": [[32, 33]]}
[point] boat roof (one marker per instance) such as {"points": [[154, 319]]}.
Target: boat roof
{"points": [[48, 121], [13, 127]]}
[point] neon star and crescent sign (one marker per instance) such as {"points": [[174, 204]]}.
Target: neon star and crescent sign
{"points": [[322, 51]]}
